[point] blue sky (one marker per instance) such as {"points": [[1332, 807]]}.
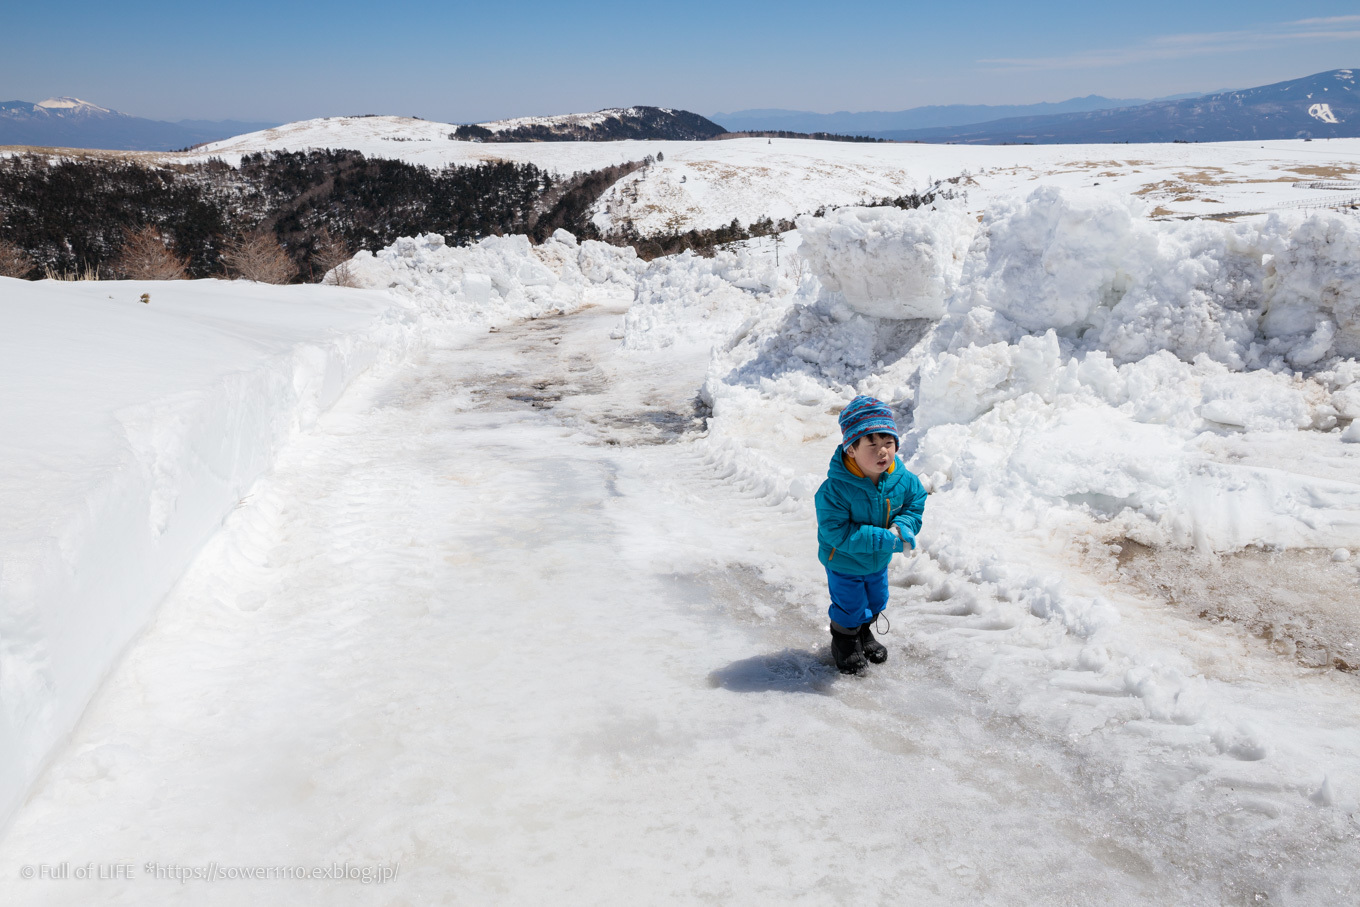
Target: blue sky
{"points": [[463, 62]]}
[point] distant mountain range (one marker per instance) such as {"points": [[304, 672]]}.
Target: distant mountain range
{"points": [[610, 125], [1325, 105], [73, 123], [878, 122]]}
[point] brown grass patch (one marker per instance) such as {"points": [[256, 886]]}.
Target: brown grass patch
{"points": [[1324, 171], [1299, 601], [1164, 186], [91, 154], [1089, 164], [1208, 176]]}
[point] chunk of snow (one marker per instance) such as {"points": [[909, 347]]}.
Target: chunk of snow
{"points": [[1257, 401], [890, 263]]}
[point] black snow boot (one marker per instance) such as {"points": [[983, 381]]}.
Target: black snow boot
{"points": [[874, 650], [846, 650]]}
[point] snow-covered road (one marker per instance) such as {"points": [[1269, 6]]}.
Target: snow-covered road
{"points": [[497, 621]]}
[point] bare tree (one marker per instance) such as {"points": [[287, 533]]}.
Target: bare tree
{"points": [[332, 256], [258, 256], [145, 256], [14, 262]]}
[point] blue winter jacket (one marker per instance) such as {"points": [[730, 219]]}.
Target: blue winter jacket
{"points": [[855, 516]]}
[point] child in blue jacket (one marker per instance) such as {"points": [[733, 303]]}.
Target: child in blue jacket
{"points": [[868, 509]]}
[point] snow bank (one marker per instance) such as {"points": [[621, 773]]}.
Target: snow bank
{"points": [[1270, 294], [1277, 294], [131, 430], [500, 278], [1121, 347]]}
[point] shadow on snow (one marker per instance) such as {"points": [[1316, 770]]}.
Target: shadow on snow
{"points": [[789, 671]]}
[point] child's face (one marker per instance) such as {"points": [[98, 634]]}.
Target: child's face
{"points": [[873, 454]]}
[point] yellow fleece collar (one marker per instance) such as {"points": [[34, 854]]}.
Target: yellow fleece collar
{"points": [[858, 473]]}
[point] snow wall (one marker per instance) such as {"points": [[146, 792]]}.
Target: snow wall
{"points": [[136, 429], [133, 430]]}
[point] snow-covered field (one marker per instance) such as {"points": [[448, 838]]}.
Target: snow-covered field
{"points": [[708, 184], [534, 611]]}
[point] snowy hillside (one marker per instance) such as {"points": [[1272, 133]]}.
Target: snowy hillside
{"points": [[570, 120], [707, 184], [608, 125]]}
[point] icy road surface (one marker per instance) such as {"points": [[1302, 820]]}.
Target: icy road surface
{"points": [[495, 621]]}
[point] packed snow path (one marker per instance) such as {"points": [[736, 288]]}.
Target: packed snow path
{"points": [[490, 623]]}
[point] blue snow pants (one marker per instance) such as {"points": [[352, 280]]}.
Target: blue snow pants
{"points": [[856, 600]]}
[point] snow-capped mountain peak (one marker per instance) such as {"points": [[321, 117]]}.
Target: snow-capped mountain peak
{"points": [[68, 122], [71, 105]]}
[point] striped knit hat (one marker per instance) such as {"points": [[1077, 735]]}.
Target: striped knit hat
{"points": [[865, 416]]}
